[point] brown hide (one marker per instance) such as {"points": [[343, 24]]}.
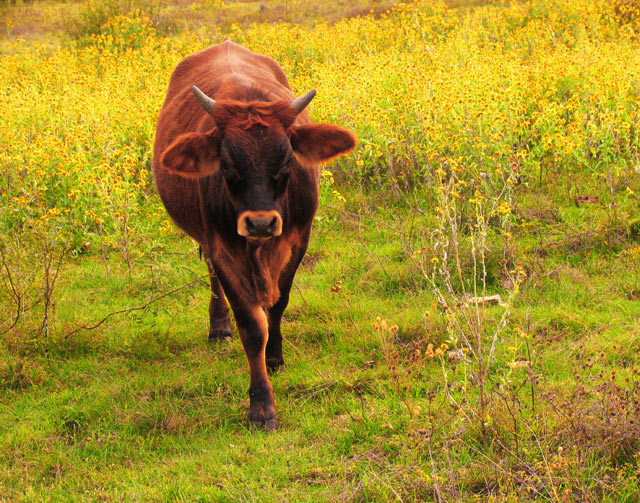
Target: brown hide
{"points": [[195, 177], [223, 72]]}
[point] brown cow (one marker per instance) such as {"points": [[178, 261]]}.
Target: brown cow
{"points": [[236, 165]]}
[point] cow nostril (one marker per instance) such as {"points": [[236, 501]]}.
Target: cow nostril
{"points": [[259, 225]]}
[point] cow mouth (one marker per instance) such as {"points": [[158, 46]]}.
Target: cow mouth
{"points": [[258, 239]]}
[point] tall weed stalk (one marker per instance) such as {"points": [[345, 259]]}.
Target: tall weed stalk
{"points": [[473, 221]]}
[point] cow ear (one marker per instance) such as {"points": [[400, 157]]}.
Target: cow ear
{"points": [[315, 144], [193, 155]]}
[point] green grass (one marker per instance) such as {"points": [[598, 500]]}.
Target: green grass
{"points": [[147, 393], [143, 409]]}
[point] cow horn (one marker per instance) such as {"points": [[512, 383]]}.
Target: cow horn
{"points": [[299, 104], [207, 103]]}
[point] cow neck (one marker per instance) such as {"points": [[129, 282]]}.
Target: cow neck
{"points": [[261, 274]]}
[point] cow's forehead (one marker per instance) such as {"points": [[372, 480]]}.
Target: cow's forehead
{"points": [[258, 145], [245, 115]]}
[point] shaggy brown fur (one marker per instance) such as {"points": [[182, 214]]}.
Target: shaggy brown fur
{"points": [[243, 182]]}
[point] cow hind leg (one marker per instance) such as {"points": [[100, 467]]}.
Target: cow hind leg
{"points": [[274, 356], [219, 323]]}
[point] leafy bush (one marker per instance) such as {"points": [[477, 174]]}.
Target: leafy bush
{"points": [[97, 14], [122, 32]]}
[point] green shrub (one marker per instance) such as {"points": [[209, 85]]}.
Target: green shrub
{"points": [[97, 14]]}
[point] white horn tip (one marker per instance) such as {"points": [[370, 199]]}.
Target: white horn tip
{"points": [[204, 100], [299, 104]]}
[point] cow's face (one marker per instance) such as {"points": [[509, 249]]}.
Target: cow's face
{"points": [[255, 146], [255, 164]]}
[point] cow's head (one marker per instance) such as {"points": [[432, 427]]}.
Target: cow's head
{"points": [[255, 145]]}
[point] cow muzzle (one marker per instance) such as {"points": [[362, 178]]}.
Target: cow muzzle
{"points": [[259, 224]]}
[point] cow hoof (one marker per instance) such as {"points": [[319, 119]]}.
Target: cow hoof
{"points": [[263, 418], [274, 365], [266, 425], [219, 335]]}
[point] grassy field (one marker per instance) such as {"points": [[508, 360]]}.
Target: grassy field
{"points": [[498, 155]]}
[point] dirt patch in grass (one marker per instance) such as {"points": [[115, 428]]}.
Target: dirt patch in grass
{"points": [[311, 259], [584, 242]]}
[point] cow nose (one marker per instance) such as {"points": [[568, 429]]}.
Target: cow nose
{"points": [[260, 227], [260, 224]]}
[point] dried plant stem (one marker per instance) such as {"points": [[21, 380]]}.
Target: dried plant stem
{"points": [[50, 279], [136, 308], [14, 292]]}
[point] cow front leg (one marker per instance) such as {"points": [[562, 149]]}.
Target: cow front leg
{"points": [[219, 323], [253, 328]]}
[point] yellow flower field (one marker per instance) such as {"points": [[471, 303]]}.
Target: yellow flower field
{"points": [[506, 87]]}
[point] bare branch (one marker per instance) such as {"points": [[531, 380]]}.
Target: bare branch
{"points": [[137, 308], [15, 293]]}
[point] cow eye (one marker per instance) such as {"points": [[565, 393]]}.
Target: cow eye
{"points": [[231, 174], [284, 168], [282, 172], [228, 167]]}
